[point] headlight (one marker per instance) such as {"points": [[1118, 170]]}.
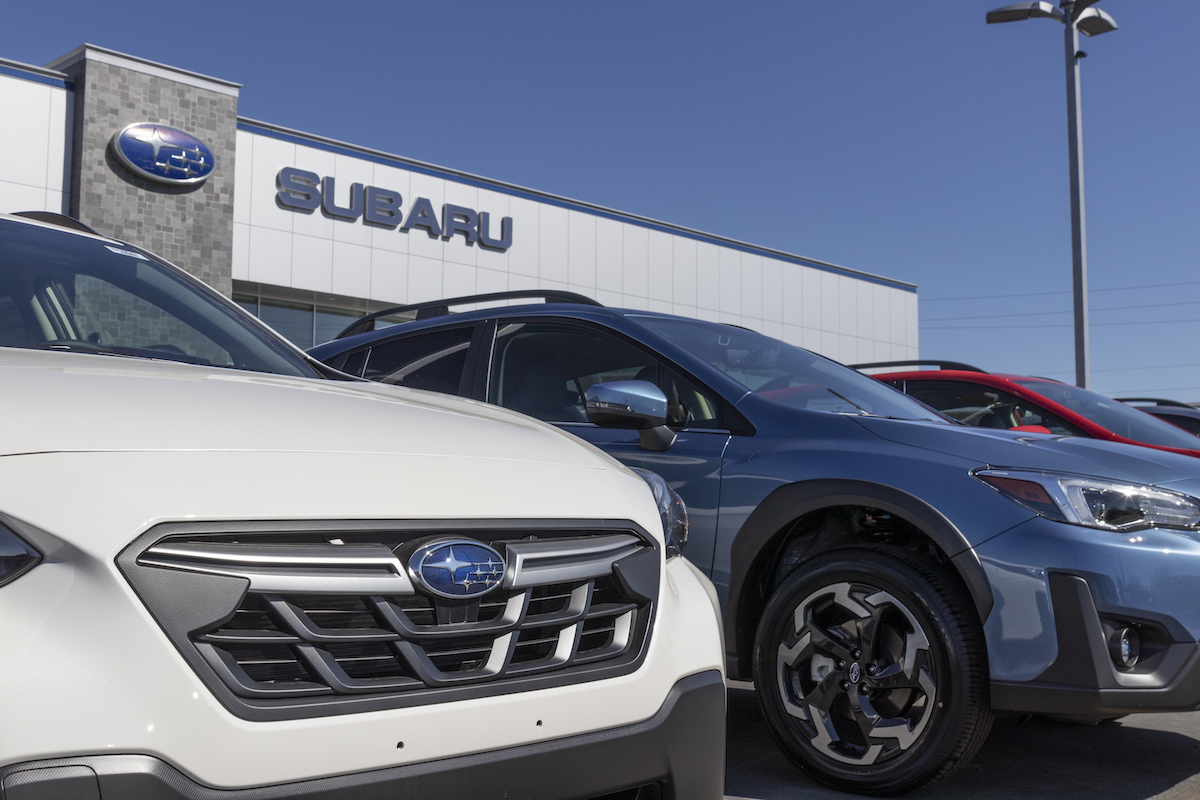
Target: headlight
{"points": [[671, 509], [1095, 502], [16, 557]]}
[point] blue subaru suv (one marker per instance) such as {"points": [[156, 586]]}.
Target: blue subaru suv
{"points": [[890, 578]]}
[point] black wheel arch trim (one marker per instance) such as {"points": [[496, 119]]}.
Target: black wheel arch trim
{"points": [[787, 504]]}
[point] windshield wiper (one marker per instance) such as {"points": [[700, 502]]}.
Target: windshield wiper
{"points": [[861, 411], [71, 346], [166, 353]]}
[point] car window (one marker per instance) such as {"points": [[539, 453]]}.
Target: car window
{"points": [[13, 331], [108, 313], [62, 291], [785, 374], [1189, 424], [986, 407], [544, 369], [432, 361], [1113, 415]]}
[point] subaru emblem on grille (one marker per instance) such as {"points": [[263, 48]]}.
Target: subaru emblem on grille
{"points": [[458, 569]]}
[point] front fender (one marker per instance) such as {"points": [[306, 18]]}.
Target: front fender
{"points": [[751, 549]]}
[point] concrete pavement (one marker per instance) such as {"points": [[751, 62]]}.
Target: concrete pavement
{"points": [[1141, 757]]}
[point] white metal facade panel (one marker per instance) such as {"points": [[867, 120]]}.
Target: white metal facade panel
{"points": [[33, 145], [621, 263]]}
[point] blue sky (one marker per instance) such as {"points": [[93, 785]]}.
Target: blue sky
{"points": [[907, 139]]}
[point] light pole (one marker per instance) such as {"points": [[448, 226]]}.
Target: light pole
{"points": [[1077, 17]]}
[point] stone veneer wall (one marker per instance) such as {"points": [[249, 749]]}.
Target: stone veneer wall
{"points": [[191, 227]]}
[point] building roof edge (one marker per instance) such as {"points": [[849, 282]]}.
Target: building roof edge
{"points": [[257, 126], [45, 72], [107, 56]]}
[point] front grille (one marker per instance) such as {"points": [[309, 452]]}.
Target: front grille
{"points": [[323, 617]]}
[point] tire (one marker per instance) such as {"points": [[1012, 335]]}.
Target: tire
{"points": [[871, 671]]}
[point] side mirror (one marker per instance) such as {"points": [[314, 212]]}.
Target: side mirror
{"points": [[639, 405], [1031, 429]]}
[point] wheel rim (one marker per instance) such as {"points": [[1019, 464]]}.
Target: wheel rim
{"points": [[856, 674]]}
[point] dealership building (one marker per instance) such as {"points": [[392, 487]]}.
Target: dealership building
{"points": [[307, 232]]}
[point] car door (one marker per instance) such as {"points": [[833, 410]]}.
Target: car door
{"points": [[544, 368]]}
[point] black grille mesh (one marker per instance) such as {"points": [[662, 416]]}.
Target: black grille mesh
{"points": [[293, 620], [315, 644]]}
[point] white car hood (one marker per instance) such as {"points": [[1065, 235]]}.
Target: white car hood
{"points": [[65, 402]]}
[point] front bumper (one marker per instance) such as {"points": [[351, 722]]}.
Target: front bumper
{"points": [[681, 750], [88, 671], [1049, 634], [1083, 682]]}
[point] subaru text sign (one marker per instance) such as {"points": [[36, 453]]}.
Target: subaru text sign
{"points": [[307, 191], [164, 154]]}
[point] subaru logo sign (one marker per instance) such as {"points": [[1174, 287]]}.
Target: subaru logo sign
{"points": [[164, 154], [458, 569]]}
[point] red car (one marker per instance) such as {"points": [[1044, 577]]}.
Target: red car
{"points": [[1022, 402]]}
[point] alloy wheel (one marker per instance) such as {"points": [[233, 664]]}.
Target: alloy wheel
{"points": [[857, 674]]}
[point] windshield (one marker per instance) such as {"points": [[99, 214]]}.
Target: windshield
{"points": [[62, 291], [1115, 416], [786, 374]]}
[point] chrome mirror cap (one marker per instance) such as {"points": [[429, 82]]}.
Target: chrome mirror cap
{"points": [[627, 404], [632, 404]]}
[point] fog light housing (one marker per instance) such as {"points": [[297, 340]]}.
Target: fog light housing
{"points": [[1125, 647]]}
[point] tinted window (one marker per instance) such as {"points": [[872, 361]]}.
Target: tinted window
{"points": [[112, 314], [1189, 424], [13, 332], [785, 374], [292, 321], [1113, 415], [302, 324], [432, 361], [354, 362], [329, 322], [986, 407], [68, 292], [544, 369]]}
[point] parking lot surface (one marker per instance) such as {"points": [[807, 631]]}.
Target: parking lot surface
{"points": [[1140, 757]]}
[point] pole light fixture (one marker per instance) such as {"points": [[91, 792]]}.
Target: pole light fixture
{"points": [[1020, 11], [1077, 17]]}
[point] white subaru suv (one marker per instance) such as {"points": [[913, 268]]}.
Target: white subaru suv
{"points": [[225, 573]]}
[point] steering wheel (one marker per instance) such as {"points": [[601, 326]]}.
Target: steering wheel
{"points": [[970, 419]]}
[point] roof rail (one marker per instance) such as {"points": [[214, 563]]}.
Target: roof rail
{"points": [[441, 308], [61, 220], [1158, 401], [921, 363]]}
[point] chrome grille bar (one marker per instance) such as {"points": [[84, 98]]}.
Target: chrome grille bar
{"points": [[348, 619], [546, 561], [290, 568]]}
